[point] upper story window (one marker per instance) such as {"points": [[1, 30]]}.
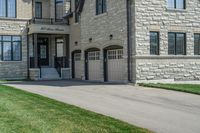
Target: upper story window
{"points": [[76, 14], [176, 4], [10, 48], [59, 11], [154, 43], [101, 6], [196, 44], [38, 10], [176, 43], [8, 8]]}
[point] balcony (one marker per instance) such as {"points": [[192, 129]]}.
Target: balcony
{"points": [[48, 26]]}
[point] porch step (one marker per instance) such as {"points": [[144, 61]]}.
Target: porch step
{"points": [[49, 74]]}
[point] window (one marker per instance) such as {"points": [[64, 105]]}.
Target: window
{"points": [[8, 8], [59, 47], [95, 55], [10, 48], [176, 43], [101, 6], [176, 4], [59, 10], [76, 14], [115, 54], [154, 43], [77, 56], [196, 44], [38, 10]]}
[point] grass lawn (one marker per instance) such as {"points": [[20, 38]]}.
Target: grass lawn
{"points": [[189, 88], [23, 112]]}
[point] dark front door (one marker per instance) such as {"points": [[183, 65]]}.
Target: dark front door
{"points": [[43, 52]]}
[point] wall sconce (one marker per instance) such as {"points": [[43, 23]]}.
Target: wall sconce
{"points": [[90, 39], [111, 36], [76, 43]]}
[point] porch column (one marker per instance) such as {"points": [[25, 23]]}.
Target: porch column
{"points": [[35, 50], [67, 51]]}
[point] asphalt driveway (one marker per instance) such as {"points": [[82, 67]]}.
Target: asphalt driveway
{"points": [[162, 111]]}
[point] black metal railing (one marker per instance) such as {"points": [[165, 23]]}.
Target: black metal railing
{"points": [[48, 21], [60, 62], [31, 64]]}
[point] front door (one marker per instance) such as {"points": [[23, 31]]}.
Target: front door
{"points": [[43, 52]]}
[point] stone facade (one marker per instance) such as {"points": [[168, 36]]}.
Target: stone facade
{"points": [[16, 26], [99, 28], [153, 15], [147, 15]]}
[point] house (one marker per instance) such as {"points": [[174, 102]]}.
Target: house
{"points": [[100, 40]]}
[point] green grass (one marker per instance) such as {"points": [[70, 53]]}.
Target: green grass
{"points": [[189, 88], [23, 112]]}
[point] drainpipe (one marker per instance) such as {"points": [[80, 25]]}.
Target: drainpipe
{"points": [[129, 40]]}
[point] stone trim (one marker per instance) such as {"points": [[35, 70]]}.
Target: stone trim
{"points": [[167, 57]]}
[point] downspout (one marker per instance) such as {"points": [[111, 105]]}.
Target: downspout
{"points": [[129, 40], [28, 59]]}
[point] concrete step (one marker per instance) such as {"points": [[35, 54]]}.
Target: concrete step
{"points": [[49, 74]]}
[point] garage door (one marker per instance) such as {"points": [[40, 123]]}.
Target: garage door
{"points": [[77, 66], [115, 65], [94, 66]]}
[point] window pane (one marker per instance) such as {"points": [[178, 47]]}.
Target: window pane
{"points": [[180, 44], [180, 4], [104, 6], [7, 51], [16, 38], [60, 47], [6, 38], [171, 43], [38, 10], [154, 43], [171, 3], [197, 44], [59, 9], [11, 8], [16, 51], [2, 8], [99, 6]]}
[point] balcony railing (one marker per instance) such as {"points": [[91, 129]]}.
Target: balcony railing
{"points": [[48, 21]]}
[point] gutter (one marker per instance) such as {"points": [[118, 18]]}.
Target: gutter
{"points": [[129, 40]]}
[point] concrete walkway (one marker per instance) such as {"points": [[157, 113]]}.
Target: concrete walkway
{"points": [[159, 110]]}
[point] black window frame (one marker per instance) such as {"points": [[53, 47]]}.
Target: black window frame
{"points": [[175, 5], [6, 10], [76, 3], [158, 43], [103, 7], [58, 2], [197, 48], [40, 3], [12, 42], [175, 43]]}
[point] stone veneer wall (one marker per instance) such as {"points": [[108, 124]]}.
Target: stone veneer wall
{"points": [[99, 28], [153, 15], [16, 26]]}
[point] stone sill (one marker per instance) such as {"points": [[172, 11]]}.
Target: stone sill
{"points": [[13, 19], [11, 61], [101, 15], [176, 10]]}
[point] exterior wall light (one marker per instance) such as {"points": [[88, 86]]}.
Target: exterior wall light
{"points": [[111, 37], [90, 39]]}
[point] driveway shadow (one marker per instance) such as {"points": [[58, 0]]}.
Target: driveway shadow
{"points": [[60, 83]]}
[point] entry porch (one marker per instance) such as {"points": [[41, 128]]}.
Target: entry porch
{"points": [[49, 56]]}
